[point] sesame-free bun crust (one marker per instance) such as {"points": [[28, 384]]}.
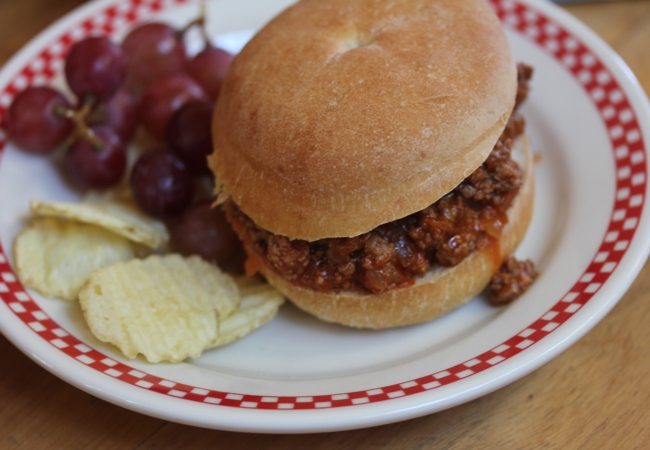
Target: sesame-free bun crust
{"points": [[341, 115], [436, 293]]}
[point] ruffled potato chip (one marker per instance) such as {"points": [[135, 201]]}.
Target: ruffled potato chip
{"points": [[166, 308], [119, 218], [55, 257], [120, 194], [260, 303]]}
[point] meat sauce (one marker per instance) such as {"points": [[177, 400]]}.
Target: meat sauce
{"points": [[513, 279], [395, 254]]}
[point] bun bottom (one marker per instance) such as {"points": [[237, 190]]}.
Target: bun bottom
{"points": [[439, 291]]}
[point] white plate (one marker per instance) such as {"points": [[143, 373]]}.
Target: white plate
{"points": [[588, 121]]}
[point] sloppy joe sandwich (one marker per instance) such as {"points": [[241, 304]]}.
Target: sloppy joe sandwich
{"points": [[370, 156]]}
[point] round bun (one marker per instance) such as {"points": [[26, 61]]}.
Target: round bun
{"points": [[341, 115], [436, 293]]}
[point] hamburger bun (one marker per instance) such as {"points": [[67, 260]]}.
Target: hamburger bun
{"points": [[343, 115], [363, 111]]}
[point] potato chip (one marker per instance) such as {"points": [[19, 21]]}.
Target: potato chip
{"points": [[244, 281], [214, 280], [259, 304], [164, 307], [55, 257], [118, 218], [119, 194]]}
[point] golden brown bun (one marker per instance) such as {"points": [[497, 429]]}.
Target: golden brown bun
{"points": [[341, 115], [437, 292]]}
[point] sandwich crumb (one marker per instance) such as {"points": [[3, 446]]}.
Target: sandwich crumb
{"points": [[511, 281]]}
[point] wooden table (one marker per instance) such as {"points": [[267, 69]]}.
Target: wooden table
{"points": [[595, 395]]}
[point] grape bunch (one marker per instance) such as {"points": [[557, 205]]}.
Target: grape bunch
{"points": [[148, 80], [41, 118]]}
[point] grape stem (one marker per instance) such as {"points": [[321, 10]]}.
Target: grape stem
{"points": [[199, 22], [78, 118]]}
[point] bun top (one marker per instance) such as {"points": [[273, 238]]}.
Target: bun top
{"points": [[341, 115]]}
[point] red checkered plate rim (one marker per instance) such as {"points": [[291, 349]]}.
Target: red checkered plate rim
{"points": [[624, 113]]}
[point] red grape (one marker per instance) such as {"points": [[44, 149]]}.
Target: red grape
{"points": [[161, 184], [163, 97], [204, 231], [154, 50], [189, 134], [93, 167], [119, 113], [209, 68], [95, 67], [33, 123]]}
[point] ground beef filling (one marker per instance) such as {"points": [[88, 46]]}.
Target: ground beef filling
{"points": [[513, 279], [393, 255]]}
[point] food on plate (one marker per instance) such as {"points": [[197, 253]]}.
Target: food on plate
{"points": [[161, 184], [32, 122], [169, 308], [94, 166], [117, 217], [189, 134], [204, 231], [55, 257], [120, 113], [163, 307], [370, 156], [166, 307], [114, 88], [153, 50], [511, 280], [163, 97], [259, 304], [95, 67], [209, 68]]}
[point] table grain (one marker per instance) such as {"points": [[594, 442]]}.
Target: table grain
{"points": [[593, 396]]}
